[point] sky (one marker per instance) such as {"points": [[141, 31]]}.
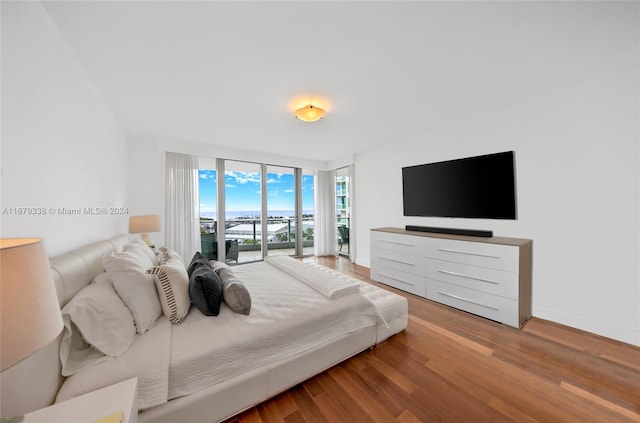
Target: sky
{"points": [[243, 192]]}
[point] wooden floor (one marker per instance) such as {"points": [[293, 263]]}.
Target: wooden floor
{"points": [[450, 366]]}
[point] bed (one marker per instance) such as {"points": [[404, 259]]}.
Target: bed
{"points": [[293, 331]]}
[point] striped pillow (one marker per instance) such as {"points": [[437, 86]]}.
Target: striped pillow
{"points": [[172, 283]]}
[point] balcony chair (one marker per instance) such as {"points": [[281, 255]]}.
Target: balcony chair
{"points": [[343, 231], [209, 246]]}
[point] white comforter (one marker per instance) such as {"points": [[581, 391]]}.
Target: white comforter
{"points": [[287, 317]]}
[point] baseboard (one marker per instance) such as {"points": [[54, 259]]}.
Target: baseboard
{"points": [[609, 331]]}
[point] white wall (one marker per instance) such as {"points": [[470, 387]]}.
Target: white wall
{"points": [[577, 185], [61, 145]]}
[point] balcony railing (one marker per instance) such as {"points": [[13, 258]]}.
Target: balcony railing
{"points": [[250, 237]]}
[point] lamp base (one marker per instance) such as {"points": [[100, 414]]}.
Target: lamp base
{"points": [[148, 241]]}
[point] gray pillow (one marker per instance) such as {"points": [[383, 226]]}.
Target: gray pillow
{"points": [[205, 290], [234, 293]]}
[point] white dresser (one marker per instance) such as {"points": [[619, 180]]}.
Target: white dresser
{"points": [[490, 277]]}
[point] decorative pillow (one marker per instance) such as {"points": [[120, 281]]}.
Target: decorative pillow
{"points": [[234, 293], [198, 260], [167, 254], [127, 261], [96, 323], [205, 289], [141, 247], [138, 292], [172, 283], [217, 265]]}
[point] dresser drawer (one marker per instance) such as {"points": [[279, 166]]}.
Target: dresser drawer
{"points": [[408, 282], [491, 256], [492, 307], [400, 261], [492, 281], [401, 243]]}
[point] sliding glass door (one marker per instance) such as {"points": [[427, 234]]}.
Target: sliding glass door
{"points": [[281, 211], [343, 209], [243, 211], [308, 193], [258, 209]]}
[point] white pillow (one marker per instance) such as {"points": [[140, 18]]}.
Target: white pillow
{"points": [[127, 261], [167, 254], [137, 251], [144, 248], [138, 291], [96, 323], [172, 283]]}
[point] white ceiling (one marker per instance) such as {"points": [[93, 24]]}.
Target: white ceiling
{"points": [[229, 73]]}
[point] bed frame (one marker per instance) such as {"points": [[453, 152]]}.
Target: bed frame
{"points": [[34, 382]]}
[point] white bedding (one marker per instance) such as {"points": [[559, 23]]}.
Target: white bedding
{"points": [[287, 317], [148, 359]]}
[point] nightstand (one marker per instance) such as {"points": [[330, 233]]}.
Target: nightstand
{"points": [[95, 405]]}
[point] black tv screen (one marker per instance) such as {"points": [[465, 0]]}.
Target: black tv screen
{"points": [[481, 187]]}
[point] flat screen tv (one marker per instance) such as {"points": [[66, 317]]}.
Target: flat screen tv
{"points": [[481, 187]]}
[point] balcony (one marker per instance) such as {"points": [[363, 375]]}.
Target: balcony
{"points": [[248, 234]]}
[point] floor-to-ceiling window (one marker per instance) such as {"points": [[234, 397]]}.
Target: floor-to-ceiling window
{"points": [[208, 196], [307, 192], [281, 210], [252, 224], [243, 211], [208, 182], [343, 209]]}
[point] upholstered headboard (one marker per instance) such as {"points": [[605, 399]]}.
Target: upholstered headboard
{"points": [[74, 270], [34, 382]]}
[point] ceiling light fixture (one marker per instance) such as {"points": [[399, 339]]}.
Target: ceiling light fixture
{"points": [[309, 113]]}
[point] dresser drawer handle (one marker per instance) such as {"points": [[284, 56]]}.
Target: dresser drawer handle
{"points": [[398, 243], [397, 261], [447, 250], [468, 277], [468, 301], [397, 279]]}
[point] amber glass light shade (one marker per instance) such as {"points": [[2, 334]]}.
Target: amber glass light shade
{"points": [[309, 113]]}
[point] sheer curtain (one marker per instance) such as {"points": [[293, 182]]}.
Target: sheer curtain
{"points": [[182, 222], [325, 238]]}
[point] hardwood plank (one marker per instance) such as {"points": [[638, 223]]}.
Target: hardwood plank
{"points": [[295, 417], [306, 407], [407, 417], [371, 387], [249, 416], [361, 396], [341, 397], [330, 410], [453, 366], [633, 415]]}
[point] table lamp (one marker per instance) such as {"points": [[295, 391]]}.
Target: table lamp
{"points": [[29, 307], [143, 225]]}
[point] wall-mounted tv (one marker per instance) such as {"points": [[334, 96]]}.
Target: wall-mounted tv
{"points": [[480, 187]]}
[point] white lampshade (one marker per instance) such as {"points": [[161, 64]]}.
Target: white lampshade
{"points": [[143, 225], [30, 311]]}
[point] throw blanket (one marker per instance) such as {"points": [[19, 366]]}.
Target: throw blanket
{"points": [[323, 281]]}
